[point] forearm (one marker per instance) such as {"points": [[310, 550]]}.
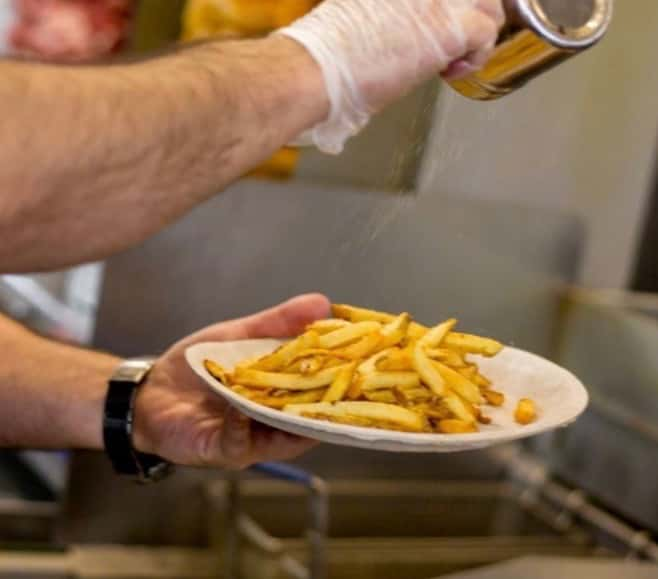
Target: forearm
{"points": [[96, 159], [51, 395]]}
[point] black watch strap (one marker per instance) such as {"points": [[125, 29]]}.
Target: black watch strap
{"points": [[118, 425]]}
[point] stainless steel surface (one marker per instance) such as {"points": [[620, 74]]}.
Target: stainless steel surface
{"points": [[567, 12], [610, 340], [539, 35], [241, 529], [258, 243], [572, 506], [561, 568], [110, 562], [386, 155], [27, 522], [388, 530]]}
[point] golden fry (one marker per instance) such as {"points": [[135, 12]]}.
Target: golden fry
{"points": [[379, 414], [526, 412], [361, 348], [482, 418], [325, 326], [287, 353], [309, 366], [354, 314], [434, 411], [481, 381], [394, 332], [370, 365], [408, 396], [341, 384], [469, 371], [347, 334], [452, 426], [379, 380], [449, 357], [461, 385], [427, 371], [459, 409], [250, 393], [260, 379], [280, 402], [354, 391], [494, 398], [472, 344], [216, 371], [436, 335], [386, 396], [396, 361]]}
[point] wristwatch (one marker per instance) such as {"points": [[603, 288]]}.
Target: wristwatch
{"points": [[118, 422]]}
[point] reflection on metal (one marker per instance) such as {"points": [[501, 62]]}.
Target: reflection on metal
{"points": [[540, 35], [446, 526], [573, 506], [26, 521], [624, 417], [610, 339], [536, 567], [242, 528], [109, 562], [20, 508]]}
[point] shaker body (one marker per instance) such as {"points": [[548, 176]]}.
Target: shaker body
{"points": [[539, 35]]}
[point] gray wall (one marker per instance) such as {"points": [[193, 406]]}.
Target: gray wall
{"points": [[581, 139], [387, 155]]}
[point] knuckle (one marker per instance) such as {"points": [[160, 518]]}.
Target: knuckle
{"points": [[484, 33], [494, 10]]}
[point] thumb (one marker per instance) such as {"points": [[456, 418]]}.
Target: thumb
{"points": [[284, 320]]}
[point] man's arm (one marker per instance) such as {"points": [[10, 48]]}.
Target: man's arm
{"points": [[96, 159], [52, 395]]}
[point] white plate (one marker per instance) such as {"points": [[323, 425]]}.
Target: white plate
{"points": [[560, 398]]}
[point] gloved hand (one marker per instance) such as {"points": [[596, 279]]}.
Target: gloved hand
{"points": [[372, 52]]}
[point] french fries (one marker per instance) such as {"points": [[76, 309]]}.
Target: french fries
{"points": [[377, 370], [525, 412], [373, 414], [341, 384]]}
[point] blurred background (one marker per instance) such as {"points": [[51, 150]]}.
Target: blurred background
{"points": [[533, 219]]}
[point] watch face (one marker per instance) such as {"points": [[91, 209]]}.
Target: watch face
{"points": [[132, 371]]}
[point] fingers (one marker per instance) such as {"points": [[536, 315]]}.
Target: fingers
{"points": [[481, 33], [494, 9], [480, 30], [289, 318], [235, 442], [286, 319], [271, 444], [244, 442]]}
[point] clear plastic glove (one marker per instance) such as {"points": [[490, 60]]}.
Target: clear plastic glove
{"points": [[372, 52]]}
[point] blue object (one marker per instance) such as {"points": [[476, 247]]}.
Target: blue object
{"points": [[284, 472]]}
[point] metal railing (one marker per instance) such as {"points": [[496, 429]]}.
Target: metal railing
{"points": [[241, 527], [570, 506]]}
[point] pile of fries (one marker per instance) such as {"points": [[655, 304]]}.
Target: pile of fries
{"points": [[377, 370]]}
